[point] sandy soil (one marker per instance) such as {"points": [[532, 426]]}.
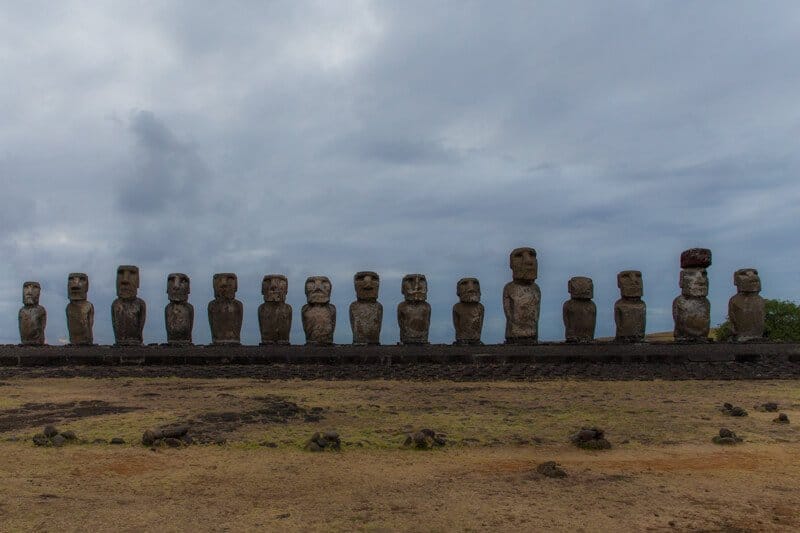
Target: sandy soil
{"points": [[662, 473]]}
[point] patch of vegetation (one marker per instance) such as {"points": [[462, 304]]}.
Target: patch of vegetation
{"points": [[781, 323]]}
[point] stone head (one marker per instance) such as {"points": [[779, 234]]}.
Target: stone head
{"points": [[77, 286], [630, 284], [581, 288], [318, 290], [367, 285], [468, 290], [127, 281], [747, 280], [415, 288], [696, 258], [178, 287], [30, 292], [274, 288], [524, 265], [694, 282], [225, 285]]}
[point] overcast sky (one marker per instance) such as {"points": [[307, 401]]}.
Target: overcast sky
{"points": [[324, 138]]}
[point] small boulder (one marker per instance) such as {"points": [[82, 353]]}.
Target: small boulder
{"points": [[58, 441], [117, 440], [551, 469], [328, 440], [726, 437], [40, 439], [69, 435], [783, 418], [50, 431], [732, 410], [590, 439], [425, 439], [770, 407], [150, 436], [172, 442], [174, 432]]}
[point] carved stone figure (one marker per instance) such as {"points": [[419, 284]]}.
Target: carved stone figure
{"points": [[225, 312], [692, 310], [319, 315], [522, 298], [32, 316], [275, 315], [746, 309], [414, 314], [630, 312], [128, 312], [179, 313], [80, 311], [468, 312], [366, 313], [580, 312]]}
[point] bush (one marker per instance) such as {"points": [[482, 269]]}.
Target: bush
{"points": [[781, 323]]}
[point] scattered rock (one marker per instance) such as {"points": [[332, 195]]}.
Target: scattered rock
{"points": [[58, 441], [551, 469], [172, 442], [172, 436], [425, 439], [770, 407], [268, 444], [117, 440], [727, 437], [319, 442], [150, 436], [50, 431], [590, 439], [732, 410], [174, 432], [40, 439], [783, 418], [50, 436], [69, 435], [99, 441]]}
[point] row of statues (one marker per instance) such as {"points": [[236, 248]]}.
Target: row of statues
{"points": [[521, 304]]}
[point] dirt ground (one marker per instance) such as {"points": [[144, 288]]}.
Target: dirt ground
{"points": [[663, 472]]}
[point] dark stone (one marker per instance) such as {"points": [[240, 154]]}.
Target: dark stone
{"points": [[50, 431], [783, 418], [58, 441], [590, 439], [173, 442], [117, 440], [150, 436], [174, 432], [312, 446], [551, 469], [69, 435], [187, 439], [696, 258], [99, 441], [770, 407], [40, 439], [726, 437]]}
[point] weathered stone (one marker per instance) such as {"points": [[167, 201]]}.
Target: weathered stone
{"points": [[732, 410], [414, 313], [58, 441], [782, 418], [522, 298], [630, 312], [692, 310], [225, 312], [174, 431], [69, 435], [128, 313], [770, 407], [150, 436], [179, 313], [696, 258], [40, 439], [366, 313], [80, 312], [468, 312], [726, 436], [580, 312], [32, 316], [275, 315], [117, 440], [591, 439], [50, 431], [746, 309], [318, 314], [551, 469], [172, 442]]}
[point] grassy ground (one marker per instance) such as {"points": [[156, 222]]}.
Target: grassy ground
{"points": [[662, 469]]}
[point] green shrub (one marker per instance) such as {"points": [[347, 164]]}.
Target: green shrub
{"points": [[781, 323]]}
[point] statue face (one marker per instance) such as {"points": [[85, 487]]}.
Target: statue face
{"points": [[524, 265], [581, 288], [178, 287], [630, 284], [747, 280], [127, 281], [30, 293], [318, 290], [77, 286], [367, 285], [415, 288], [225, 285], [274, 288], [694, 282], [468, 290]]}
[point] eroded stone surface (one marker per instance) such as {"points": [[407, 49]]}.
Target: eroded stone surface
{"points": [[128, 312], [275, 315], [579, 312], [468, 312], [32, 316], [630, 312], [692, 310], [366, 313], [80, 311], [225, 312], [179, 313], [414, 313], [696, 258], [522, 298], [746, 309], [319, 315]]}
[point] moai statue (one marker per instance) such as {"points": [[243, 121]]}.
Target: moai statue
{"points": [[414, 314], [80, 311], [319, 315], [366, 313], [580, 313], [522, 298], [746, 309], [275, 315], [32, 317], [692, 310], [179, 313], [630, 312], [225, 312], [128, 312], [468, 312]]}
